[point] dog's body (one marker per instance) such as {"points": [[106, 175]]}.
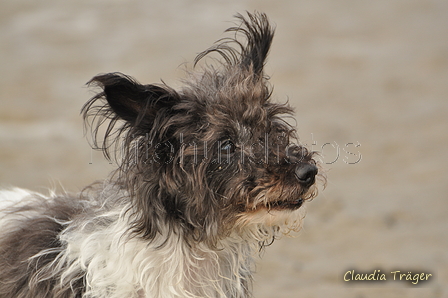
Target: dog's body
{"points": [[99, 252], [208, 176]]}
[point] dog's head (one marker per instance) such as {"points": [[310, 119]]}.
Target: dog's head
{"points": [[214, 157]]}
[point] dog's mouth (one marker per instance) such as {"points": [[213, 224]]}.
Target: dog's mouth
{"points": [[285, 205]]}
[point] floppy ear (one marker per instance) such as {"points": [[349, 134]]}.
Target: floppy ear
{"points": [[135, 103]]}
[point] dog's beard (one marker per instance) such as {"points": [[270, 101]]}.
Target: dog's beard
{"points": [[267, 202], [266, 225], [270, 217]]}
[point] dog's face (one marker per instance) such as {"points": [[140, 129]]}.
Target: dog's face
{"points": [[211, 158]]}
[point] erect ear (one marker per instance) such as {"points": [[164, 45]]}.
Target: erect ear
{"points": [[251, 56], [259, 35], [135, 103]]}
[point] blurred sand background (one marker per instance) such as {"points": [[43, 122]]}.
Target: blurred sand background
{"points": [[373, 73]]}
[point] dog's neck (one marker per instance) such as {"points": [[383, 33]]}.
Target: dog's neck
{"points": [[119, 264]]}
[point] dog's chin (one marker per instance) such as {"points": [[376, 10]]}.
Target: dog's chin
{"points": [[286, 216]]}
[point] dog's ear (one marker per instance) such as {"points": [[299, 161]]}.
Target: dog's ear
{"points": [[259, 35], [252, 54], [135, 103]]}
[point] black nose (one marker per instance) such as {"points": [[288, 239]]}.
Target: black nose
{"points": [[306, 174]]}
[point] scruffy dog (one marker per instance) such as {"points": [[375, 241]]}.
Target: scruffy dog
{"points": [[208, 175]]}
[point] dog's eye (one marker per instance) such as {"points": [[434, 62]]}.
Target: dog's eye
{"points": [[227, 146]]}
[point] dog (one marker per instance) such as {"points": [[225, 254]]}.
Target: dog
{"points": [[207, 176]]}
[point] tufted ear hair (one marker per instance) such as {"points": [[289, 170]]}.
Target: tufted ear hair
{"points": [[251, 55], [135, 103], [259, 35]]}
